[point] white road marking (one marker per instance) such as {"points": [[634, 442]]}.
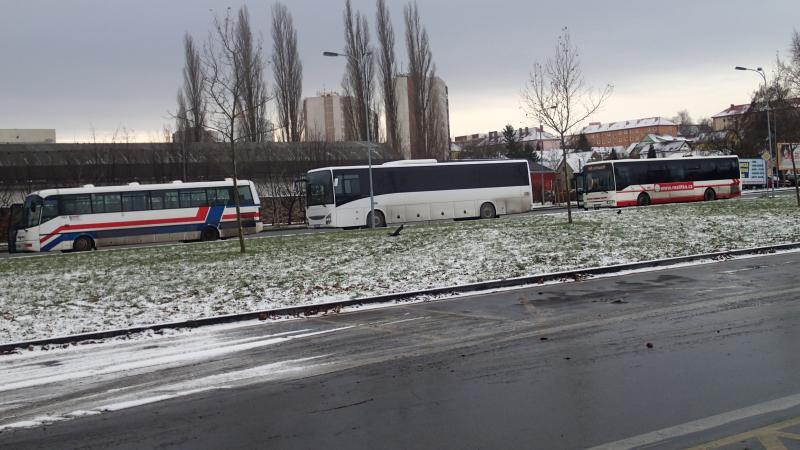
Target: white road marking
{"points": [[704, 424]]}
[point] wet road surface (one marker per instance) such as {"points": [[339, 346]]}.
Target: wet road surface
{"points": [[663, 359]]}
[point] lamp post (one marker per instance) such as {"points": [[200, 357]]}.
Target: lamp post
{"points": [[760, 71], [366, 118]]}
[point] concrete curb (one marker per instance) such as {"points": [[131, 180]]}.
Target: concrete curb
{"points": [[311, 310]]}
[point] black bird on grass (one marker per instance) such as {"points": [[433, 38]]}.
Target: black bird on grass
{"points": [[619, 211], [397, 231]]}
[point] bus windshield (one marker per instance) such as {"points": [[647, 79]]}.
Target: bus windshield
{"points": [[599, 178], [319, 190], [32, 211]]}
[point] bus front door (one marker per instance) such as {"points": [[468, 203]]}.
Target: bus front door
{"points": [[579, 189], [14, 223]]}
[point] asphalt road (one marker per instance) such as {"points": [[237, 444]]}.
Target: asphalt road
{"points": [[662, 359]]}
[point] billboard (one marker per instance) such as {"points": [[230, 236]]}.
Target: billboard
{"points": [[753, 171], [785, 156]]}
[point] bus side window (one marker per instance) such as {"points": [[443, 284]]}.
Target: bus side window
{"points": [[709, 170], [676, 173], [135, 201], [73, 205], [157, 200], [348, 185], [171, 200], [192, 198], [49, 209], [692, 171], [219, 196]]}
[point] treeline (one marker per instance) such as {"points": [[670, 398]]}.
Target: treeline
{"points": [[226, 95]]}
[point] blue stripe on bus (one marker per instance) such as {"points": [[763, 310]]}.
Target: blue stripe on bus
{"points": [[127, 232], [215, 215], [123, 232]]}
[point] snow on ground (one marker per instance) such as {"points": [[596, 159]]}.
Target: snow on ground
{"points": [[66, 294]]}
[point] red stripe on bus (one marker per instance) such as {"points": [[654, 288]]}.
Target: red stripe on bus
{"points": [[735, 183], [202, 212], [251, 215], [688, 198]]}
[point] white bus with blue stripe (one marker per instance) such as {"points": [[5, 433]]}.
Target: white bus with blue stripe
{"points": [[90, 217], [416, 191]]}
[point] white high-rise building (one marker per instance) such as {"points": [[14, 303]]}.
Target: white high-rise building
{"points": [[406, 118]]}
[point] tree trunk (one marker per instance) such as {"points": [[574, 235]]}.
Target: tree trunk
{"points": [[566, 179], [236, 199]]}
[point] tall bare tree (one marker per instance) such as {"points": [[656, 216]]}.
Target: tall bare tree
{"points": [[387, 64], [288, 71], [182, 127], [253, 125], [358, 82], [424, 97], [790, 70], [225, 67], [557, 94], [195, 104]]}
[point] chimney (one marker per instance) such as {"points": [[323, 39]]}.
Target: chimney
{"points": [[732, 106]]}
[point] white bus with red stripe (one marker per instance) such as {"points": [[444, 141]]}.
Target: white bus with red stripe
{"points": [[90, 217], [642, 182]]}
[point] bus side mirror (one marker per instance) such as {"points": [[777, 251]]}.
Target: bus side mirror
{"points": [[335, 182]]}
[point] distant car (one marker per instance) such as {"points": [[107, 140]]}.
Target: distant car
{"points": [[790, 179]]}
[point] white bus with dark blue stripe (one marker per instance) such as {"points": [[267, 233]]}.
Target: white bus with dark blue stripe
{"points": [[415, 191], [90, 217]]}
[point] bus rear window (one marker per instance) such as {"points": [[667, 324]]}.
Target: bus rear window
{"points": [[245, 196]]}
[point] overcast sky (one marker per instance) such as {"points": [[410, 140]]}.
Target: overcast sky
{"points": [[74, 65]]}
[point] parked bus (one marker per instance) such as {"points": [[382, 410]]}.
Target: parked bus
{"points": [[641, 182], [89, 217], [416, 190]]}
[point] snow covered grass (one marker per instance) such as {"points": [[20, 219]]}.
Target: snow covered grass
{"points": [[63, 294]]}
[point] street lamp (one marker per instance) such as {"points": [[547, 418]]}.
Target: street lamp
{"points": [[760, 71], [369, 144]]}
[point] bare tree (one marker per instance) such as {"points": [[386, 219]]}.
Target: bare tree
{"points": [[195, 106], [682, 118], [288, 71], [387, 64], [226, 86], [425, 98], [182, 127], [556, 94], [790, 70], [358, 81], [253, 125]]}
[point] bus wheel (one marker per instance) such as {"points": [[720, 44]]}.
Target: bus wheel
{"points": [[643, 200], [709, 195], [488, 211], [82, 244], [209, 234], [379, 221]]}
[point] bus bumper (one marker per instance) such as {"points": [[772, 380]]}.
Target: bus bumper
{"points": [[24, 244]]}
